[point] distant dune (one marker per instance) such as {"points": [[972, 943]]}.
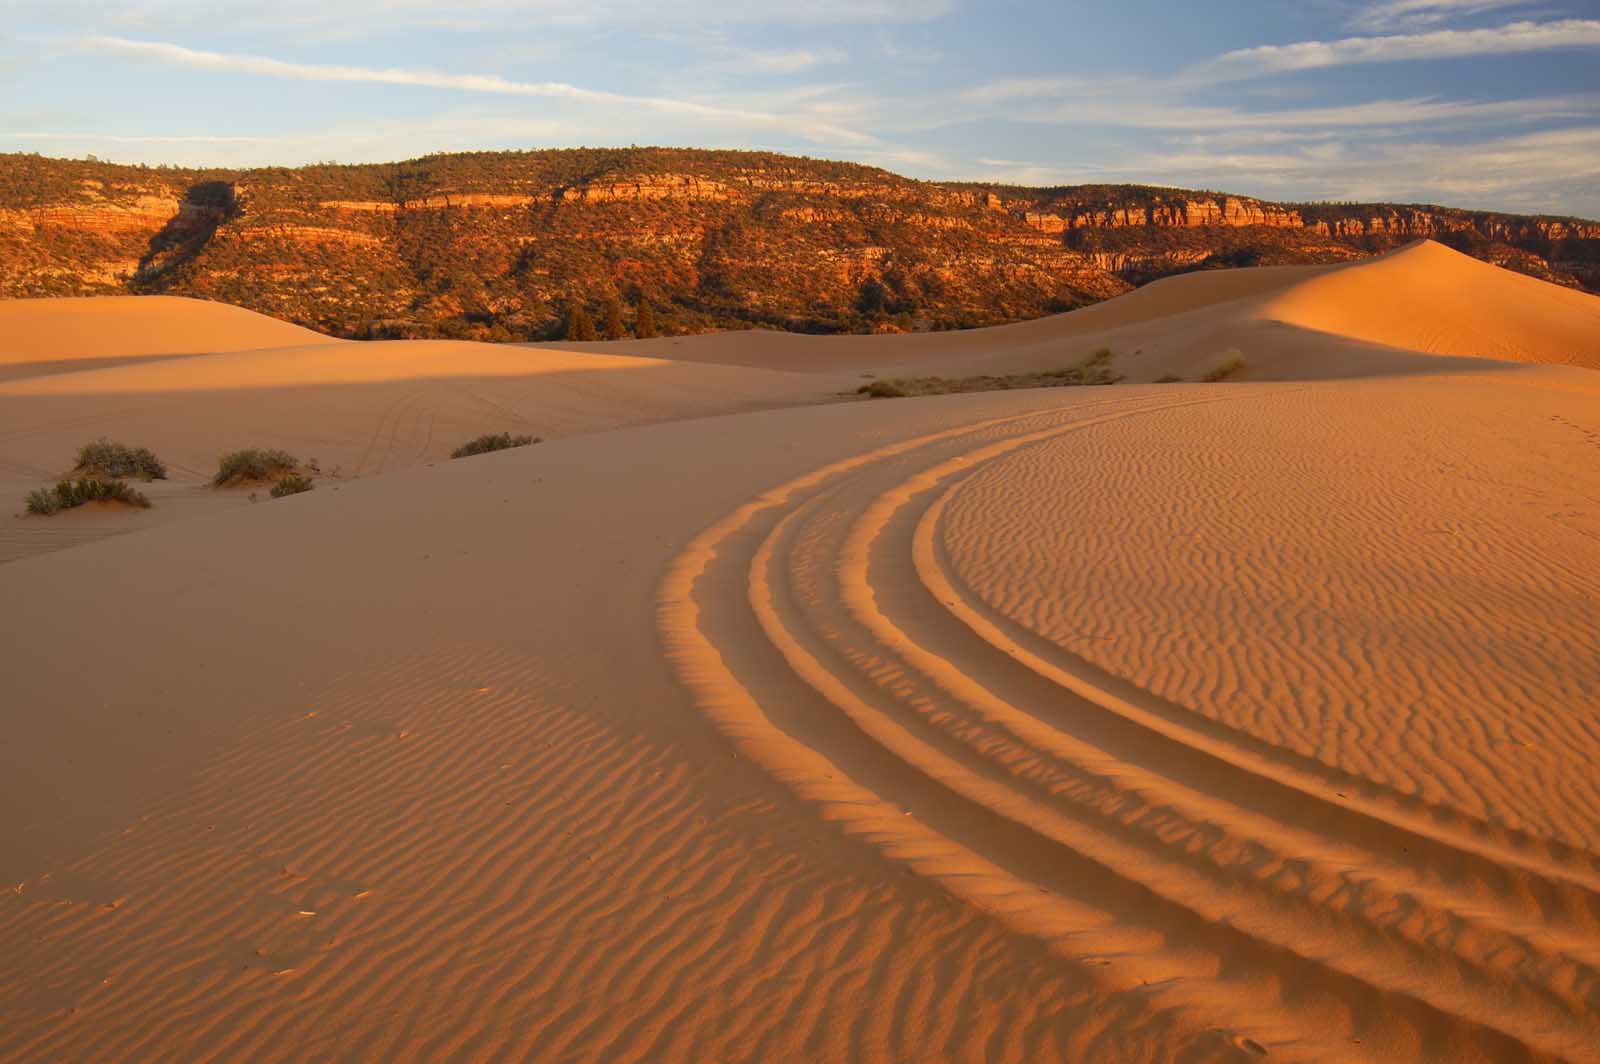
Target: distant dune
{"points": [[1289, 322], [1429, 298], [1149, 722], [70, 330]]}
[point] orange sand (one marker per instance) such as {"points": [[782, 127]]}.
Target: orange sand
{"points": [[1189, 722]]}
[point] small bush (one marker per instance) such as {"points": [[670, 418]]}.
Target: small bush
{"points": [[72, 493], [498, 441], [104, 458], [43, 501], [1171, 378], [881, 390], [1231, 363], [293, 484], [252, 464]]}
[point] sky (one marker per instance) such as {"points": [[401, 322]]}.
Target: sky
{"points": [[1476, 103]]}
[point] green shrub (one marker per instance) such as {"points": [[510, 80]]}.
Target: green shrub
{"points": [[104, 458], [498, 441], [293, 484], [1231, 363], [43, 501], [253, 464], [72, 493]]}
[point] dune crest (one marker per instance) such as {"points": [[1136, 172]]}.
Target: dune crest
{"points": [[96, 327], [1426, 297]]}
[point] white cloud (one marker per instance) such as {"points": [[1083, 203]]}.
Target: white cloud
{"points": [[1157, 113], [1413, 14], [1514, 38], [808, 126], [1524, 171], [757, 61]]}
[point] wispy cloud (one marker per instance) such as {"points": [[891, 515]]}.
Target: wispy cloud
{"points": [[1510, 39], [1414, 14], [264, 66], [1525, 170], [1245, 63], [1163, 114], [771, 62]]}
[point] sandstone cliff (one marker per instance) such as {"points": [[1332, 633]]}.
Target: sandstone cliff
{"points": [[497, 245]]}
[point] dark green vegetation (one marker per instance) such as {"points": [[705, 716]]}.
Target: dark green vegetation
{"points": [[531, 245], [292, 484], [499, 441], [252, 464], [72, 493], [1094, 370], [103, 458]]}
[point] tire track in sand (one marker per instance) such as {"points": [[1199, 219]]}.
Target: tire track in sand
{"points": [[1309, 913]]}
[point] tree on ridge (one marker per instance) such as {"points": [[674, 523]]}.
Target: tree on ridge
{"points": [[579, 325]]}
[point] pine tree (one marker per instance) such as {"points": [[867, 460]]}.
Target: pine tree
{"points": [[644, 322], [613, 323], [579, 325]]}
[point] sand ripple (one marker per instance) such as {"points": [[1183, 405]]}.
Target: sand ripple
{"points": [[844, 631]]}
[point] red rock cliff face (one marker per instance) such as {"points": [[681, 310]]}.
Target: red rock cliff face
{"points": [[496, 246]]}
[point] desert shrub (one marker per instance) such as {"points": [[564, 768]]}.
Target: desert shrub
{"points": [[881, 390], [71, 493], [496, 441], [1171, 378], [43, 501], [104, 458], [1231, 363], [252, 464], [293, 484], [1093, 370]]}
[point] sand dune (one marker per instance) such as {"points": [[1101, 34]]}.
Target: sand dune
{"points": [[78, 329], [1190, 722], [357, 409], [1384, 315], [1429, 298]]}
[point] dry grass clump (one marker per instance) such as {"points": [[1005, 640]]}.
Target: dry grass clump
{"points": [[103, 458], [1231, 363], [73, 493], [292, 484], [497, 441], [253, 464], [1094, 370]]}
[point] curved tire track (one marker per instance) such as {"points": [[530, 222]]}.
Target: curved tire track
{"points": [[1306, 911]]}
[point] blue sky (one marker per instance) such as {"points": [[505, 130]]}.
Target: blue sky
{"points": [[1480, 103]]}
